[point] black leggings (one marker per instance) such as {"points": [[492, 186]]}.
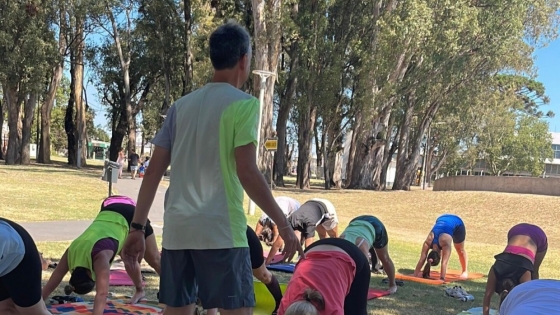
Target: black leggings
{"points": [[355, 302], [23, 284], [255, 249]]}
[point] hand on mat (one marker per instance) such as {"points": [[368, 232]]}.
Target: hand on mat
{"points": [[133, 249], [291, 245], [138, 295], [418, 274]]}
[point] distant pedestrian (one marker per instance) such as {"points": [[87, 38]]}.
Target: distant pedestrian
{"points": [[133, 160], [120, 160]]}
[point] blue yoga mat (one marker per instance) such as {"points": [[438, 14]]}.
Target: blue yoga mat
{"points": [[282, 267]]}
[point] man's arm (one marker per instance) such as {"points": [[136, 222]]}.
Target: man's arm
{"points": [[255, 185]]}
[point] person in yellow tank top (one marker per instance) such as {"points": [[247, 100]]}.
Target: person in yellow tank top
{"points": [[89, 257]]}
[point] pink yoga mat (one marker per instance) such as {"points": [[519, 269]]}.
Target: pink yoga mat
{"points": [[376, 293], [121, 278], [277, 258]]}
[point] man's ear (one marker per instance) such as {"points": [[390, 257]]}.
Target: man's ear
{"points": [[243, 61]]}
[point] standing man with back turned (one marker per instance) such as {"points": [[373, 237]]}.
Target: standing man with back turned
{"points": [[209, 137]]}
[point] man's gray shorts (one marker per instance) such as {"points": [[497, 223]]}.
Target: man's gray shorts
{"points": [[221, 278]]}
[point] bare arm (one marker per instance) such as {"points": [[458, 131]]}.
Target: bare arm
{"points": [[102, 271], [275, 232], [274, 250], [258, 228], [423, 256], [255, 185], [159, 162], [490, 287], [57, 276], [525, 277]]}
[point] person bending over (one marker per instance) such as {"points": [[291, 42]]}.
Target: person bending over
{"points": [[314, 215], [369, 234], [332, 279], [259, 270], [90, 256], [449, 229], [537, 297], [20, 272], [266, 229], [518, 263]]}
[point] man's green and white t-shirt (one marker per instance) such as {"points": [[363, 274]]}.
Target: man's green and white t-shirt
{"points": [[204, 201]]}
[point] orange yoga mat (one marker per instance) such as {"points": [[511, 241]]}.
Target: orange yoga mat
{"points": [[452, 276]]}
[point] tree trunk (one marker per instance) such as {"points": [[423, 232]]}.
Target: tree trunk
{"points": [[14, 108], [81, 125], [318, 147], [188, 75], [267, 35], [2, 127], [118, 134], [305, 138], [402, 171], [286, 103], [389, 151], [29, 114]]}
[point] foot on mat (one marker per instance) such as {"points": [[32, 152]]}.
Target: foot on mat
{"points": [[400, 283]]}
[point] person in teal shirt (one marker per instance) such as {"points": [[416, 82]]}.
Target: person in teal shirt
{"points": [[369, 234], [90, 256]]}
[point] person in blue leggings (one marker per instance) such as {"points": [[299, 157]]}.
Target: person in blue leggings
{"points": [[449, 229]]}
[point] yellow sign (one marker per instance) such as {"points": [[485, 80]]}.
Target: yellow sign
{"points": [[271, 144]]}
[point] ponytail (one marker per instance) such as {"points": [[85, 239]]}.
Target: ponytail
{"points": [[433, 260], [312, 303], [504, 287]]}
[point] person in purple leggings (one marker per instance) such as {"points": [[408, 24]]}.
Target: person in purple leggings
{"points": [[519, 262]]}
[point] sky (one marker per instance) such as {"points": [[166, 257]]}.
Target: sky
{"points": [[547, 62]]}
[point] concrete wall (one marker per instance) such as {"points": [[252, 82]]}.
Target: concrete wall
{"points": [[509, 184]]}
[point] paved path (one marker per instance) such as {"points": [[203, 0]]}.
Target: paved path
{"points": [[69, 230]]}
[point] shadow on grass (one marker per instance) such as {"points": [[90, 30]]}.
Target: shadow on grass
{"points": [[93, 171]]}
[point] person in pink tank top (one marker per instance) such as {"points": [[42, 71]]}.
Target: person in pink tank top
{"points": [[518, 263], [333, 279]]}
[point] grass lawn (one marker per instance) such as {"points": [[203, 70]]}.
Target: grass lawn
{"points": [[408, 217]]}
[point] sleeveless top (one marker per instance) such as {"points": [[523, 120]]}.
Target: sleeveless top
{"points": [[445, 224]]}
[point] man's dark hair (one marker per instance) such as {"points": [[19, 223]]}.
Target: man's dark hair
{"points": [[228, 44]]}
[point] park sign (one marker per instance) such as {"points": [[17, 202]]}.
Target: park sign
{"points": [[271, 144]]}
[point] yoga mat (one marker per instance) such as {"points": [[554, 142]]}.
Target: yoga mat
{"points": [[119, 265], [452, 276], [282, 267], [477, 311], [113, 307], [376, 293], [120, 278], [277, 258]]}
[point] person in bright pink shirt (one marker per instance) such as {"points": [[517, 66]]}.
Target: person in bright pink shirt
{"points": [[333, 279]]}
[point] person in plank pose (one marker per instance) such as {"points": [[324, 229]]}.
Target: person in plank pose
{"points": [[369, 234], [90, 256], [20, 272], [314, 215], [259, 270], [519, 262], [448, 230], [333, 278]]}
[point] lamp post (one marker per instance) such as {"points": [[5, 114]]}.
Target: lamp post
{"points": [[263, 74]]}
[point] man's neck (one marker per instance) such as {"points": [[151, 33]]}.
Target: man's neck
{"points": [[226, 76]]}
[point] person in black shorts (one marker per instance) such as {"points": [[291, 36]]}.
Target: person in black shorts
{"points": [[20, 272], [369, 234], [133, 160], [90, 255], [259, 270]]}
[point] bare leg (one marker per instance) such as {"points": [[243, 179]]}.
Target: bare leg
{"points": [[462, 252], [539, 257], [189, 309], [151, 255], [7, 307], [38, 309], [212, 311], [321, 232], [388, 266], [333, 233]]}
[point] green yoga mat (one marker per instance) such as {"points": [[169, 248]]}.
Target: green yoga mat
{"points": [[265, 302]]}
